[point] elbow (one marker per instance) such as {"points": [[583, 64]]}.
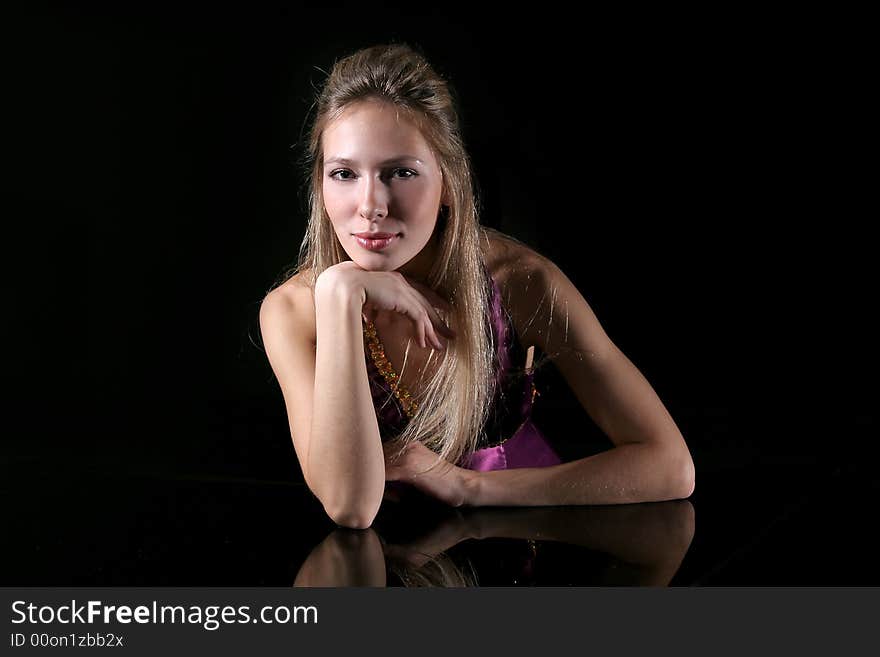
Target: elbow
{"points": [[678, 476], [683, 476], [352, 519], [675, 475], [348, 513], [352, 516]]}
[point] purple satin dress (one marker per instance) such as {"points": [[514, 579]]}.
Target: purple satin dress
{"points": [[511, 439]]}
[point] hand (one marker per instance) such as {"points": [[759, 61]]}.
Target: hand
{"points": [[451, 530], [417, 465], [392, 291]]}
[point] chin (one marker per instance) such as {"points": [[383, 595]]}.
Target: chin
{"points": [[376, 264]]}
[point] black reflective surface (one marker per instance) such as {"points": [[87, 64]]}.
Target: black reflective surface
{"points": [[640, 544], [755, 525]]}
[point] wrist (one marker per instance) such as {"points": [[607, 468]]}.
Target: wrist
{"points": [[470, 487], [334, 284]]}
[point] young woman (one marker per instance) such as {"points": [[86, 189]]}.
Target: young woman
{"points": [[403, 340]]}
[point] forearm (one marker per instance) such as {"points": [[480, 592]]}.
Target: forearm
{"points": [[345, 462], [634, 472]]}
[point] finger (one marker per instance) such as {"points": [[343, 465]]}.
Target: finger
{"points": [[436, 342], [421, 332], [433, 298], [439, 343], [434, 323], [412, 307], [426, 329], [438, 324], [432, 302]]}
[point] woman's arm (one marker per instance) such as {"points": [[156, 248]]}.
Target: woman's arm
{"points": [[632, 472], [347, 450], [650, 460], [314, 342], [326, 391]]}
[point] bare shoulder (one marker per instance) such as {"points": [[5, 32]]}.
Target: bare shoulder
{"points": [[290, 307], [512, 263], [534, 291]]}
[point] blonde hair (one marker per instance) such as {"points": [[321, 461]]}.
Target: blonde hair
{"points": [[438, 571], [454, 405]]}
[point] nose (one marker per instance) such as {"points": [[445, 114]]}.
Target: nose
{"points": [[374, 201]]}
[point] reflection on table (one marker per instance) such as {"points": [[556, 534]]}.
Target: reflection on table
{"points": [[420, 544]]}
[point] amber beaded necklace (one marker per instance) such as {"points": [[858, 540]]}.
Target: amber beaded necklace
{"points": [[377, 353]]}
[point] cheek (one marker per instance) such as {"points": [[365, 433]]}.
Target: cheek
{"points": [[330, 199], [422, 203], [334, 204]]}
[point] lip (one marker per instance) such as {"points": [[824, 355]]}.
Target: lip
{"points": [[375, 236], [375, 241]]}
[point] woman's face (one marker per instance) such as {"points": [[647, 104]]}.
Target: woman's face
{"points": [[380, 178]]}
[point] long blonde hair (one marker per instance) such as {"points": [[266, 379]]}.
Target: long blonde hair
{"points": [[454, 405]]}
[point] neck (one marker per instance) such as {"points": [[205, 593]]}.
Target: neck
{"points": [[419, 267]]}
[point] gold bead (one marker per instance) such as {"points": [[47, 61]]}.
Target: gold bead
{"points": [[377, 353]]}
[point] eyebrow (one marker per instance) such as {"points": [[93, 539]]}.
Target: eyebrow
{"points": [[394, 160]]}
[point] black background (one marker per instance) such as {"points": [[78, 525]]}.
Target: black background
{"points": [[697, 176]]}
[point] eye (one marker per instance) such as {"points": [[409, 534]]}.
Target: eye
{"points": [[400, 173], [338, 174], [405, 174]]}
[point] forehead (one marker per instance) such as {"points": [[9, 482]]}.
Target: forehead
{"points": [[372, 131]]}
